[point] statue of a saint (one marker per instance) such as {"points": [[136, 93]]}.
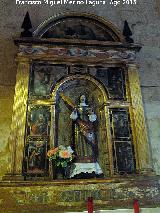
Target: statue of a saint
{"points": [[84, 139]]}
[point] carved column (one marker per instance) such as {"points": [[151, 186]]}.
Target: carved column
{"points": [[109, 141], [19, 120], [141, 143], [52, 139]]}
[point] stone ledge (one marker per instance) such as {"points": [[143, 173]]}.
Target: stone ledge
{"points": [[71, 195], [117, 179]]}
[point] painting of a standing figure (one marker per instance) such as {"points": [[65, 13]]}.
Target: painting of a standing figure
{"points": [[36, 157]]}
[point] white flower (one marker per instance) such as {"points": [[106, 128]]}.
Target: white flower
{"points": [[61, 147], [70, 150]]}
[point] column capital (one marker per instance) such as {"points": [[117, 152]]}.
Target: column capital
{"points": [[132, 66], [22, 59]]}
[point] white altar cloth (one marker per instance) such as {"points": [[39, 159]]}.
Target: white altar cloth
{"points": [[86, 168]]}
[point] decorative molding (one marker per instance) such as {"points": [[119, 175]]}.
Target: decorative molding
{"points": [[71, 195], [121, 54]]}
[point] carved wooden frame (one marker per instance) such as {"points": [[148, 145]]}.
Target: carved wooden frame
{"points": [[108, 54]]}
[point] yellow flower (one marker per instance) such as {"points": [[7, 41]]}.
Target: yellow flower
{"points": [[52, 152]]}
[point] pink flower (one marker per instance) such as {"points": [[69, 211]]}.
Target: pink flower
{"points": [[64, 154]]}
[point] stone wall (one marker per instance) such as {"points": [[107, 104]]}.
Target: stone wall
{"points": [[144, 19]]}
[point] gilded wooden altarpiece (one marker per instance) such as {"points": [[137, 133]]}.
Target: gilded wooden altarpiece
{"points": [[77, 54]]}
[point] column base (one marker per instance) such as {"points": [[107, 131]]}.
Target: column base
{"points": [[147, 172], [12, 177], [19, 177]]}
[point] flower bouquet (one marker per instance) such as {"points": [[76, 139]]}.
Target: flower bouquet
{"points": [[61, 157]]}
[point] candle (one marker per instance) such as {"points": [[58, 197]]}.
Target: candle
{"points": [[136, 206], [90, 205]]}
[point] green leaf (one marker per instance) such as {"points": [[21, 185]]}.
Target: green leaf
{"points": [[58, 163], [64, 164]]}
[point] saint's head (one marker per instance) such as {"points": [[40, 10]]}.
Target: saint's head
{"points": [[83, 100]]}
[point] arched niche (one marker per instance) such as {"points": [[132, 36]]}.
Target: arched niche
{"points": [[96, 94]]}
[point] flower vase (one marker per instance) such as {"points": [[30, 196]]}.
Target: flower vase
{"points": [[64, 173], [61, 173]]}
